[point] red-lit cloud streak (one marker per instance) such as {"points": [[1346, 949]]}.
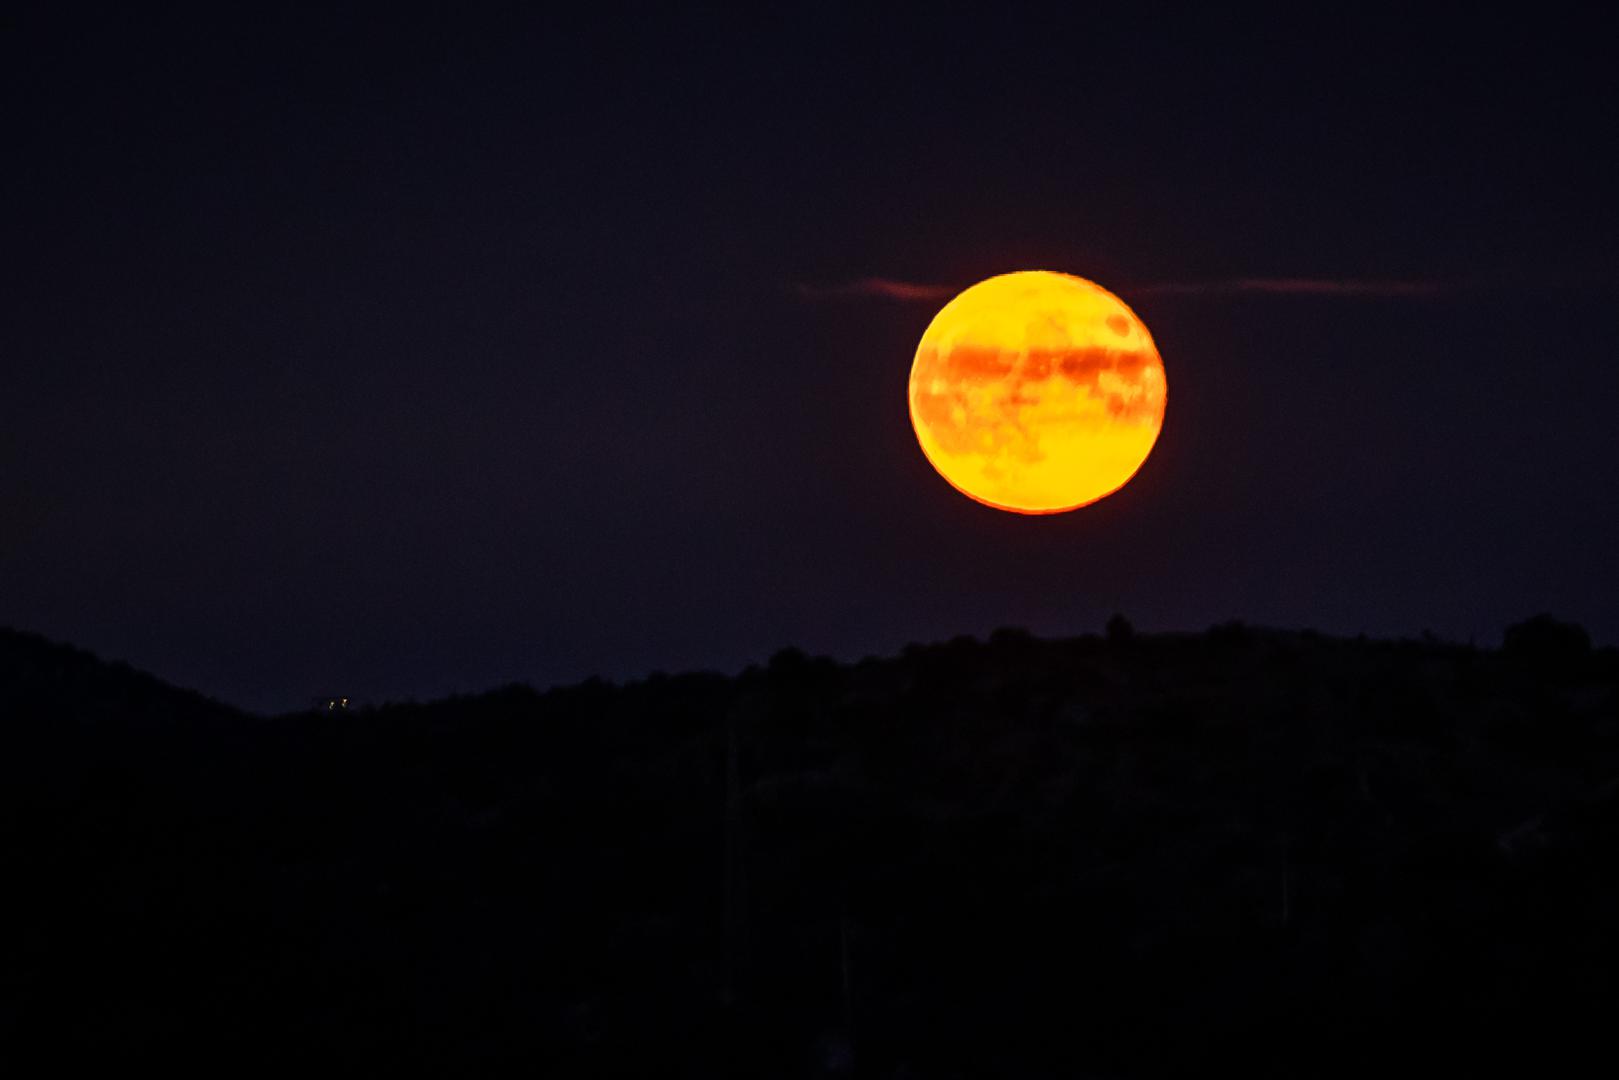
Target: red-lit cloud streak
{"points": [[916, 292], [1301, 287], [879, 288]]}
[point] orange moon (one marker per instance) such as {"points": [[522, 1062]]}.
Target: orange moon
{"points": [[1037, 392]]}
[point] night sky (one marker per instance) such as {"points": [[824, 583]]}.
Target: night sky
{"points": [[398, 356]]}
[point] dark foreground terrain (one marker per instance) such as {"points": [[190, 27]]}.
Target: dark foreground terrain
{"points": [[1110, 856]]}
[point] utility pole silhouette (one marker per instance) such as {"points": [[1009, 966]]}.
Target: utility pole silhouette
{"points": [[848, 978], [735, 892]]}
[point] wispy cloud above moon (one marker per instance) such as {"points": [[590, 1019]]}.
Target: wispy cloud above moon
{"points": [[1372, 287], [878, 288], [894, 289]]}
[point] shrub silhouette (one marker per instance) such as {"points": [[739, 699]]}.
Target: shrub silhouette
{"points": [[1119, 629], [1010, 637], [1547, 643], [788, 661]]}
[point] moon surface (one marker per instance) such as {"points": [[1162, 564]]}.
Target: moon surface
{"points": [[1037, 392]]}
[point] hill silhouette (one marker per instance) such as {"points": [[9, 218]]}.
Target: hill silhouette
{"points": [[1122, 855]]}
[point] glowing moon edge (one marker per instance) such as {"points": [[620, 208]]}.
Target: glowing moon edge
{"points": [[1037, 392]]}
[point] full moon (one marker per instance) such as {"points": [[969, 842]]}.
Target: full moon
{"points": [[1037, 392]]}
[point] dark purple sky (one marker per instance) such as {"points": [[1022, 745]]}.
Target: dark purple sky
{"points": [[395, 356]]}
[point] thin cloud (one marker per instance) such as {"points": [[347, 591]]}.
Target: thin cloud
{"points": [[881, 289], [1301, 287]]}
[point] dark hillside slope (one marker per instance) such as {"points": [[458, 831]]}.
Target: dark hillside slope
{"points": [[1140, 856], [41, 680], [66, 716]]}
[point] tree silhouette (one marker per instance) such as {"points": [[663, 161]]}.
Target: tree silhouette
{"points": [[1546, 642], [1119, 629]]}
